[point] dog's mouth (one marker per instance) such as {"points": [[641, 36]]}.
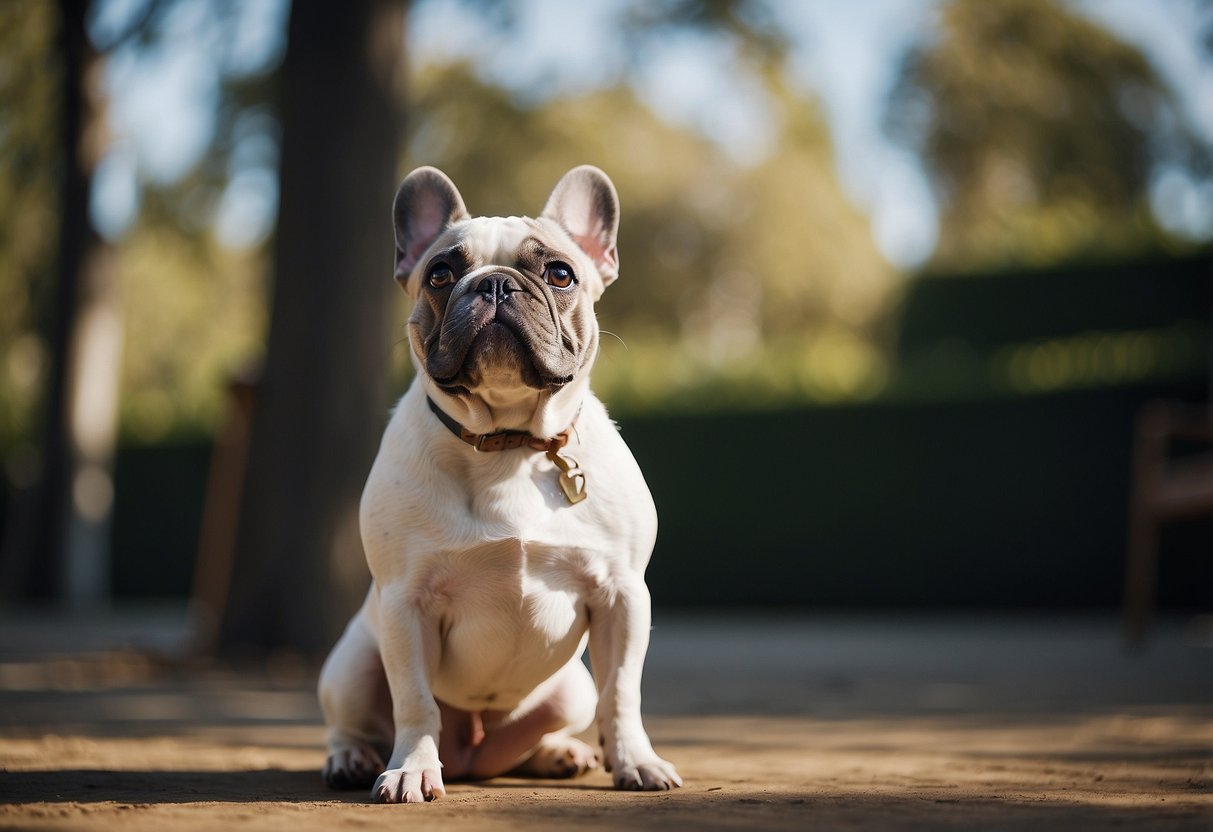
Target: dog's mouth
{"points": [[492, 345]]}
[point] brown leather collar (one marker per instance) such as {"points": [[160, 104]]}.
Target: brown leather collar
{"points": [[502, 440], [570, 477]]}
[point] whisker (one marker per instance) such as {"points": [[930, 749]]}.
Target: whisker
{"points": [[616, 337]]}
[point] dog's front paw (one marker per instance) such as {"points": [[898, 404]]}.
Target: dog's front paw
{"points": [[652, 775], [398, 785]]}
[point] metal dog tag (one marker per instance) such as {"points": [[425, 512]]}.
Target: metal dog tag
{"points": [[571, 479]]}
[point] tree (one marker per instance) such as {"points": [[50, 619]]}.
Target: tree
{"points": [[1039, 130], [58, 549], [321, 400]]}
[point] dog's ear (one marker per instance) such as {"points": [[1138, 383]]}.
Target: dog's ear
{"points": [[584, 204], [427, 202]]}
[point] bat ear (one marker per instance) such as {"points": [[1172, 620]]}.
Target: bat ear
{"points": [[427, 203], [584, 203]]}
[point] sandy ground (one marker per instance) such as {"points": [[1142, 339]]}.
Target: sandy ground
{"points": [[838, 723]]}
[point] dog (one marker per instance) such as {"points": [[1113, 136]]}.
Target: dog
{"points": [[505, 522]]}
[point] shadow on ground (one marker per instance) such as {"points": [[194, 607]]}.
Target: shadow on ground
{"points": [[775, 724]]}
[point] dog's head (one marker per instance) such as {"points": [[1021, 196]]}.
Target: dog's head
{"points": [[503, 308]]}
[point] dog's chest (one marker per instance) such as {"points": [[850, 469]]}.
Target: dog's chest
{"points": [[487, 548], [509, 614]]}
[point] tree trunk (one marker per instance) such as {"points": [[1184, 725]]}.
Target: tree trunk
{"points": [[320, 406], [61, 551]]}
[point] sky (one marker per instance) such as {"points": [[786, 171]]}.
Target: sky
{"points": [[845, 54]]}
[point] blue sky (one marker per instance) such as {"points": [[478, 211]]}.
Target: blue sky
{"points": [[844, 54]]}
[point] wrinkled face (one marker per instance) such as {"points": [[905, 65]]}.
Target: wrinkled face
{"points": [[505, 303]]}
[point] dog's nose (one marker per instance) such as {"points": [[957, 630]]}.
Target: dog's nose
{"points": [[497, 287]]}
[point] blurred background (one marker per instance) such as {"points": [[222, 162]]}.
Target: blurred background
{"points": [[915, 294]]}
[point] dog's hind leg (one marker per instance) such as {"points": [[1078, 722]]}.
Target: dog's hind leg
{"points": [[559, 756], [559, 753], [357, 709], [533, 741]]}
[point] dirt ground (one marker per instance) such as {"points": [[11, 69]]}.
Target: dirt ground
{"points": [[840, 723]]}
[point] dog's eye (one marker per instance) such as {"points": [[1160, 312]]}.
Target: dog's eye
{"points": [[559, 275], [439, 275]]}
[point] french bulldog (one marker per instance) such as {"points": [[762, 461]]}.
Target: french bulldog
{"points": [[504, 520]]}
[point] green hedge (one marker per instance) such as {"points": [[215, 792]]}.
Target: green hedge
{"points": [[1010, 503]]}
